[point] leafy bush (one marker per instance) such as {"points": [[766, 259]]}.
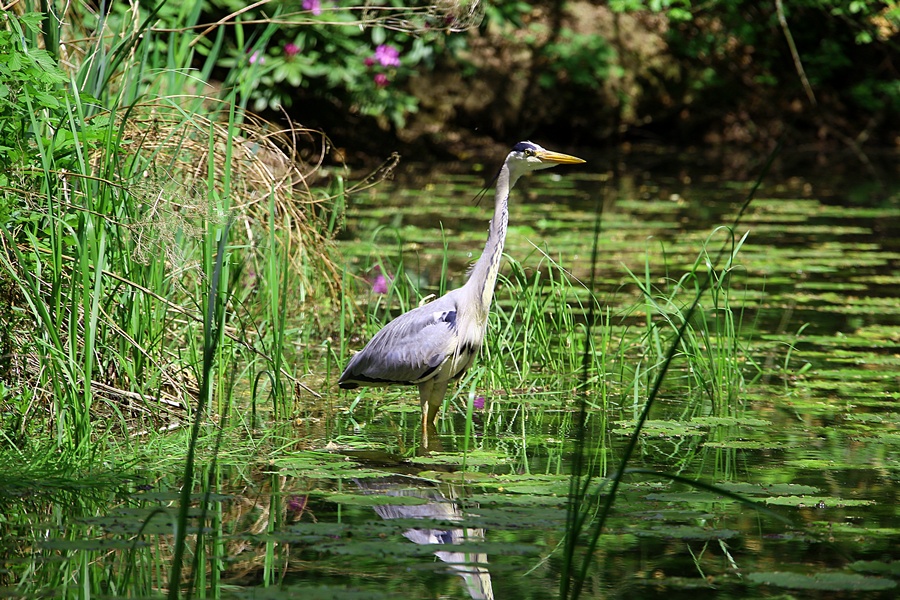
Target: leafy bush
{"points": [[737, 56], [31, 93], [354, 58]]}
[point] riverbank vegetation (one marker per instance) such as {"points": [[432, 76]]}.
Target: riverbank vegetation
{"points": [[448, 78]]}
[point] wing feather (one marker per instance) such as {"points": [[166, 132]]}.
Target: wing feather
{"points": [[409, 349]]}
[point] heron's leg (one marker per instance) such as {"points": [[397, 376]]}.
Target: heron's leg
{"points": [[431, 396]]}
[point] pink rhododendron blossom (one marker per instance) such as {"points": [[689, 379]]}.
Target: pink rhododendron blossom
{"points": [[381, 80], [387, 55], [314, 6]]}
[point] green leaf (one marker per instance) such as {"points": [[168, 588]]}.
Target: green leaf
{"points": [[822, 581], [375, 500], [47, 100], [14, 61], [51, 71], [816, 501], [891, 569], [32, 20]]}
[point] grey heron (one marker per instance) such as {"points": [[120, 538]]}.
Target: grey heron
{"points": [[434, 344]]}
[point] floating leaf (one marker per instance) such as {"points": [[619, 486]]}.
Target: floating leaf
{"points": [[891, 569], [667, 514], [816, 502], [724, 421], [537, 488], [745, 445], [516, 517], [688, 497], [517, 500], [688, 532], [773, 489], [822, 581], [374, 500], [458, 476], [320, 592], [470, 459], [659, 428]]}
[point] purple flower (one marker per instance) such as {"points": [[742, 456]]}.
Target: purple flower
{"points": [[291, 50], [257, 57], [314, 6], [369, 61], [478, 403], [296, 503], [379, 286], [388, 56], [380, 281], [381, 80]]}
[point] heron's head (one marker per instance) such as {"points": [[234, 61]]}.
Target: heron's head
{"points": [[528, 156]]}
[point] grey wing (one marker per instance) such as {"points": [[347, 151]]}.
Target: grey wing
{"points": [[407, 350]]}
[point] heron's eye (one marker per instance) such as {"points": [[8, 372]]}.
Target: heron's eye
{"points": [[529, 152]]}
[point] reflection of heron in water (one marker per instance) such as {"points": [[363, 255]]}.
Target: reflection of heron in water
{"points": [[471, 566]]}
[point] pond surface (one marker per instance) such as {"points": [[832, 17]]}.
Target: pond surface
{"points": [[786, 395]]}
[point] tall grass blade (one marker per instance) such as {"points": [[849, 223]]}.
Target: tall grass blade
{"points": [[210, 343], [575, 511], [717, 490], [573, 588]]}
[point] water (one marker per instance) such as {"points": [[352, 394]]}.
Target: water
{"points": [[816, 281], [811, 433]]}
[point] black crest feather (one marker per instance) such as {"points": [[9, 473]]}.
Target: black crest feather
{"points": [[523, 146]]}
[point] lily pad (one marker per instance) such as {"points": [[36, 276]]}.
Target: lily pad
{"points": [[745, 445], [374, 500], [688, 497], [470, 459], [816, 502], [688, 532], [517, 500], [822, 581], [891, 569], [774, 489], [458, 477], [663, 429], [319, 592], [724, 421]]}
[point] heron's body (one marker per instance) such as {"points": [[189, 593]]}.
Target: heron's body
{"points": [[436, 343]]}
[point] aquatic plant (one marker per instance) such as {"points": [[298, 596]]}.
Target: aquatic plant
{"points": [[582, 516]]}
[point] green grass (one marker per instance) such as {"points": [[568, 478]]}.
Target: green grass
{"points": [[588, 511], [538, 331], [112, 249], [154, 242]]}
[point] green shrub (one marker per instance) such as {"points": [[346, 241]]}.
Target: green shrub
{"points": [[356, 59]]}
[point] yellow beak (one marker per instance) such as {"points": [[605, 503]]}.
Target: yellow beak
{"points": [[558, 158]]}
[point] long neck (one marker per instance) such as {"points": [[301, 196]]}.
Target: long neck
{"points": [[484, 273]]}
